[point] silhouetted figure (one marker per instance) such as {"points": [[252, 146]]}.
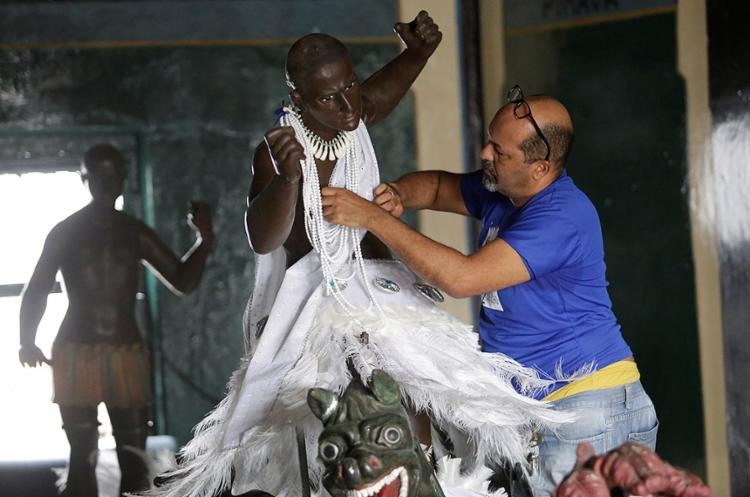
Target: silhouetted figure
{"points": [[330, 100], [99, 354]]}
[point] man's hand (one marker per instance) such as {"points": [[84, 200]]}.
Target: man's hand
{"points": [[31, 355], [387, 196], [286, 153], [583, 481], [199, 219], [341, 206], [421, 36]]}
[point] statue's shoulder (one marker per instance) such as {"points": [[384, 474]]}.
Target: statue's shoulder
{"points": [[70, 223]]}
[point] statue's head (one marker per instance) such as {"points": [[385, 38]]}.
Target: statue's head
{"points": [[367, 446], [323, 84], [103, 171]]}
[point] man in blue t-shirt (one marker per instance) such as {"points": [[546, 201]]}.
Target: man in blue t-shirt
{"points": [[540, 271]]}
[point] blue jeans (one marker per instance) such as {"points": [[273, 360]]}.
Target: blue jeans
{"points": [[606, 419]]}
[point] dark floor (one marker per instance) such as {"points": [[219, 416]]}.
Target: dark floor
{"points": [[36, 479], [28, 479]]}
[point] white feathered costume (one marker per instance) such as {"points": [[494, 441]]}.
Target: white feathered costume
{"points": [[307, 337]]}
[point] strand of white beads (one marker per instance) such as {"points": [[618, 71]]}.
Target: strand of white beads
{"points": [[335, 244]]}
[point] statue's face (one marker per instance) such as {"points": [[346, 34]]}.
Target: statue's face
{"points": [[367, 446], [330, 98], [105, 180]]}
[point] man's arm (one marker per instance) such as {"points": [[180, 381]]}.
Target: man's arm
{"points": [[34, 300], [434, 190], [382, 91], [183, 275], [274, 190], [493, 267]]}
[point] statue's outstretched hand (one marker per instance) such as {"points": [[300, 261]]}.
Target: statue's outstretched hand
{"points": [[199, 219], [31, 355], [421, 35], [286, 153]]}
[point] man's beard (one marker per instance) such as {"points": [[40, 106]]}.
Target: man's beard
{"points": [[489, 184]]}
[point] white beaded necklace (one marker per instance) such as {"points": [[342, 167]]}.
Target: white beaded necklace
{"points": [[332, 149], [334, 243]]}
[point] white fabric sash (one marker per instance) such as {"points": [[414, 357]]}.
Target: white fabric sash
{"points": [[290, 300]]}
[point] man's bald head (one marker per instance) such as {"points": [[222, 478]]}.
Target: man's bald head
{"points": [[554, 121], [310, 53]]}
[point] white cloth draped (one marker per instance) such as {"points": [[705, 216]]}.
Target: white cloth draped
{"points": [[299, 337]]}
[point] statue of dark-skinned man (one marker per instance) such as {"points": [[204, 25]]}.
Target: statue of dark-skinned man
{"points": [[330, 98], [99, 354]]}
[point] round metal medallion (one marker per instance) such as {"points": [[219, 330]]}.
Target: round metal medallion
{"points": [[334, 284], [429, 292], [388, 286]]}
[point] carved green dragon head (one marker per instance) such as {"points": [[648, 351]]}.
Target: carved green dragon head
{"points": [[367, 446]]}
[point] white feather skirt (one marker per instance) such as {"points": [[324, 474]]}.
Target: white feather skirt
{"points": [[434, 357]]}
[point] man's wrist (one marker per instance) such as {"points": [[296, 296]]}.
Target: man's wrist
{"points": [[376, 219]]}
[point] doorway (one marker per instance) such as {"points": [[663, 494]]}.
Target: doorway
{"points": [[39, 187], [32, 203]]}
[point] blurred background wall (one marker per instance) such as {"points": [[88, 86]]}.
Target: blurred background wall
{"points": [[188, 87]]}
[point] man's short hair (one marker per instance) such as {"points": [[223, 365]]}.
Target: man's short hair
{"points": [[560, 141], [309, 53]]}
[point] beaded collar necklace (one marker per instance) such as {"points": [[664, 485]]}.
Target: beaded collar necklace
{"points": [[334, 243]]}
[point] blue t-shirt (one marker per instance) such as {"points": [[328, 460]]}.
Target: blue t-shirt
{"points": [[561, 318]]}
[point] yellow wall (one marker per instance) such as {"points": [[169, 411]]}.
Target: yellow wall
{"points": [[492, 56], [439, 130], [693, 65]]}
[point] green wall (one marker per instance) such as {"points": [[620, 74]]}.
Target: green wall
{"points": [[619, 81], [199, 111]]}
